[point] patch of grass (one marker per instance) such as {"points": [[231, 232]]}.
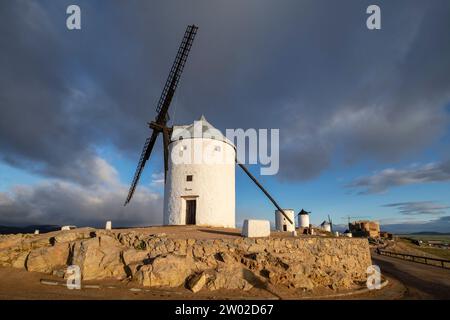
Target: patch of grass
{"points": [[438, 252], [141, 245]]}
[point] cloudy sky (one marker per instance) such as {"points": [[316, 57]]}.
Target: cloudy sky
{"points": [[364, 115]]}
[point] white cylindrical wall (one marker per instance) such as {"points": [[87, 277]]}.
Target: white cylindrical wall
{"points": [[303, 220], [281, 221], [212, 185], [327, 227]]}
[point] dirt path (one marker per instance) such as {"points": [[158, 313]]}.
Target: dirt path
{"points": [[20, 284], [421, 281]]}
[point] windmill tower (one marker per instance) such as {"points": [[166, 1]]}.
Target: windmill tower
{"points": [[200, 191], [195, 192], [303, 219]]}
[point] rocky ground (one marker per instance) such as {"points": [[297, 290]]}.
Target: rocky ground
{"points": [[203, 260], [20, 284]]}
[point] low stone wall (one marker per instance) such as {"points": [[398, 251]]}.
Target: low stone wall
{"points": [[156, 260]]}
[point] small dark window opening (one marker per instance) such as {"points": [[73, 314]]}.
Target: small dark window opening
{"points": [[189, 178]]}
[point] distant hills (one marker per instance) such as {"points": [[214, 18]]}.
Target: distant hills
{"points": [[429, 233], [28, 229]]}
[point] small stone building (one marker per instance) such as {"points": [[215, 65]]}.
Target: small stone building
{"points": [[365, 228]]}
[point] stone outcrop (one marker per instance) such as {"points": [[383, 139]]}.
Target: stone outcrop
{"points": [[196, 282], [167, 271], [99, 258], [157, 260], [47, 259]]}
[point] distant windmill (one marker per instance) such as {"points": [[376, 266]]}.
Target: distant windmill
{"points": [[206, 182], [331, 223], [303, 218]]}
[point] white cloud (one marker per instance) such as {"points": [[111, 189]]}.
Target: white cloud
{"points": [[157, 179], [56, 201]]}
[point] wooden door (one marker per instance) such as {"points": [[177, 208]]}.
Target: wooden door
{"points": [[191, 206]]}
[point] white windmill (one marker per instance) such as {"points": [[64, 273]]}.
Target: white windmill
{"points": [[196, 192]]}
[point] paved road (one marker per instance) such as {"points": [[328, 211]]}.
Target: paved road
{"points": [[421, 281]]}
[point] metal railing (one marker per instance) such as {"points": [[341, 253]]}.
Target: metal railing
{"points": [[443, 263]]}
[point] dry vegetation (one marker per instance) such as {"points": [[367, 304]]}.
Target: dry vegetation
{"points": [[405, 245]]}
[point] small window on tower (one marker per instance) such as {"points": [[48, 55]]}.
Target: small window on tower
{"points": [[189, 177], [217, 148]]}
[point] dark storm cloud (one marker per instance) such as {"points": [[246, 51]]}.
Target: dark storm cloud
{"points": [[382, 98], [311, 68], [419, 208], [388, 178]]}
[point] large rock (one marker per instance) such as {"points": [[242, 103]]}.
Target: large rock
{"points": [[230, 277], [142, 276], [197, 282], [9, 241], [99, 258], [8, 256], [5, 259], [168, 271], [73, 235], [48, 258], [227, 258], [132, 256], [20, 261], [301, 281]]}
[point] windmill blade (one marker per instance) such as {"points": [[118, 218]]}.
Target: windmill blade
{"points": [[264, 190], [145, 155], [163, 106], [175, 74]]}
